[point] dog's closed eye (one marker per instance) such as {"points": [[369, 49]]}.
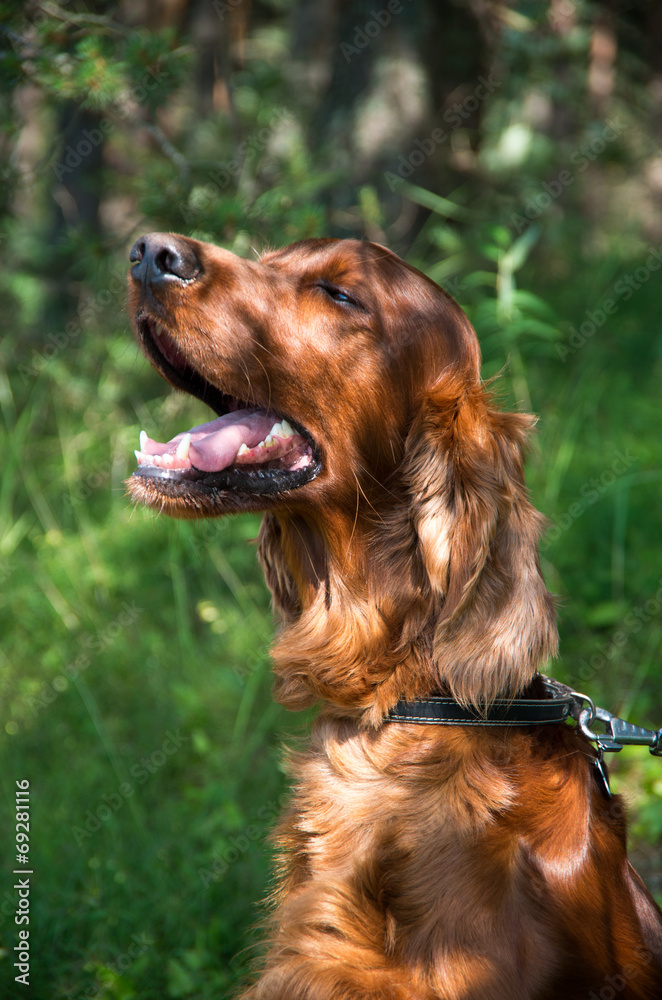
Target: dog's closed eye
{"points": [[340, 295]]}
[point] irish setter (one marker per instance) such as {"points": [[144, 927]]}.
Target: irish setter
{"points": [[417, 862]]}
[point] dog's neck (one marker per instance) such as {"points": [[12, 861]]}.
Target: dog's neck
{"points": [[362, 627]]}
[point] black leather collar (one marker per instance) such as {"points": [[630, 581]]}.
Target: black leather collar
{"points": [[557, 707]]}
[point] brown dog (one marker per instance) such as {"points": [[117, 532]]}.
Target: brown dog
{"points": [[418, 862]]}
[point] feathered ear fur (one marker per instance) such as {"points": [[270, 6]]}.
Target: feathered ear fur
{"points": [[440, 591], [277, 574], [478, 539]]}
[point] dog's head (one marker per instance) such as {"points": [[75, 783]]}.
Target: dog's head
{"points": [[398, 540], [331, 340]]}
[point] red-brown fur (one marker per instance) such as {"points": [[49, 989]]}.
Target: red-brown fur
{"points": [[416, 862]]}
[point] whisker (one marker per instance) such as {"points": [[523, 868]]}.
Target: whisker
{"points": [[356, 516], [266, 374]]}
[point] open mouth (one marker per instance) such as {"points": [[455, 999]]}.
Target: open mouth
{"points": [[247, 449]]}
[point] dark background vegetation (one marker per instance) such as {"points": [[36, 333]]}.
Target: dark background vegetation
{"points": [[512, 151]]}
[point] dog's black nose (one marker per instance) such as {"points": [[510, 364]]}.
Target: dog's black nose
{"points": [[162, 257]]}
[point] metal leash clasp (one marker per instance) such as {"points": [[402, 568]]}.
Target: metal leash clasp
{"points": [[584, 712], [619, 732]]}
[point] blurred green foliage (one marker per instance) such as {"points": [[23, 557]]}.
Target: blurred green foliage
{"points": [[125, 635]]}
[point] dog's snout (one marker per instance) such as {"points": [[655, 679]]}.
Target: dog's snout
{"points": [[161, 257]]}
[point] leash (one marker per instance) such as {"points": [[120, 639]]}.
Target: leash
{"points": [[561, 704]]}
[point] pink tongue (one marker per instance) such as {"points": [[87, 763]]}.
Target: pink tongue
{"points": [[214, 445]]}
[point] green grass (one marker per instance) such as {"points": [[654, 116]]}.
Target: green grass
{"points": [[123, 634], [134, 667]]}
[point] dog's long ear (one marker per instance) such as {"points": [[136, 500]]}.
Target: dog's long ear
{"points": [[478, 540]]}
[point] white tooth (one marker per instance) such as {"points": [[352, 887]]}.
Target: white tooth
{"points": [[139, 457], [183, 447], [269, 442], [261, 444], [243, 449], [143, 440], [277, 429], [286, 431]]}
